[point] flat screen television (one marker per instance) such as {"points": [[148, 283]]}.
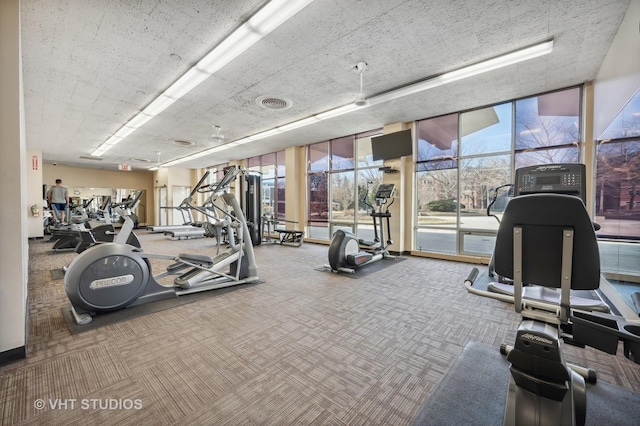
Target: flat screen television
{"points": [[392, 145]]}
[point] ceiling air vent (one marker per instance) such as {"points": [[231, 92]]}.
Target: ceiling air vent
{"points": [[88, 157], [274, 103]]}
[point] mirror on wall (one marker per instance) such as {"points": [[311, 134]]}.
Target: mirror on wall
{"points": [[90, 200]]}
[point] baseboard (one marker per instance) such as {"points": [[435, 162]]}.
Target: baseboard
{"points": [[13, 355]]}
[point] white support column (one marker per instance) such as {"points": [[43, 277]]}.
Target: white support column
{"points": [[403, 180], [13, 184]]}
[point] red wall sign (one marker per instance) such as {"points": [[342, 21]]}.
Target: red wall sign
{"points": [[34, 162]]}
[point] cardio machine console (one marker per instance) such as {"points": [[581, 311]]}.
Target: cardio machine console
{"points": [[552, 178], [386, 191]]}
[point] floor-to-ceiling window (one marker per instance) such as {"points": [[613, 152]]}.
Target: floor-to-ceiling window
{"points": [[547, 128], [485, 164], [342, 190], [318, 175], [617, 200], [437, 184], [280, 181], [340, 174], [463, 157], [271, 167]]}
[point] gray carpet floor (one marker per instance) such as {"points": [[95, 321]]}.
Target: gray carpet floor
{"points": [[303, 347], [474, 388]]}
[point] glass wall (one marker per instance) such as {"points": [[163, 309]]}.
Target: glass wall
{"points": [[280, 185], [547, 128], [271, 167], [617, 200], [464, 157], [437, 184], [341, 172], [318, 174]]}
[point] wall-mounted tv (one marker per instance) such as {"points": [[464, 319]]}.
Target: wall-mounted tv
{"points": [[392, 145]]}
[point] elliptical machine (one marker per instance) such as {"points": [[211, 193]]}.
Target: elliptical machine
{"points": [[112, 276], [347, 253]]}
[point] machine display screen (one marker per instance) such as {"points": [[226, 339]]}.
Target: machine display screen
{"points": [[563, 178], [548, 180]]}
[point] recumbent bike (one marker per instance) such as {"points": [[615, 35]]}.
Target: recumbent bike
{"points": [[547, 239]]}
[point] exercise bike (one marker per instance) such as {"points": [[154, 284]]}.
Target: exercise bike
{"points": [[569, 179], [347, 253], [113, 276], [546, 238]]}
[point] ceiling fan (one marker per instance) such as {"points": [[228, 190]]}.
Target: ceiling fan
{"points": [[361, 100], [217, 136]]}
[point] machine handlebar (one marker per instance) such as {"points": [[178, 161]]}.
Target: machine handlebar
{"points": [[200, 184], [495, 198]]}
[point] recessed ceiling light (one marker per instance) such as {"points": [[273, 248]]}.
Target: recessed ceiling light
{"points": [[181, 142], [142, 160], [87, 157], [274, 103]]}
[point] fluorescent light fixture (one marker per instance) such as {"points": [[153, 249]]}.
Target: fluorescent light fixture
{"points": [[139, 120], [158, 105], [234, 45], [212, 150], [448, 77], [239, 142], [406, 91], [265, 20], [266, 134], [184, 84], [337, 111], [112, 141], [272, 15], [468, 71], [499, 62], [192, 156], [124, 132], [298, 124]]}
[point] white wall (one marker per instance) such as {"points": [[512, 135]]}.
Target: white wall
{"points": [[619, 75], [33, 168], [179, 182], [13, 183]]}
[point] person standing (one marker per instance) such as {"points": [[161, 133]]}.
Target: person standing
{"points": [[58, 196]]}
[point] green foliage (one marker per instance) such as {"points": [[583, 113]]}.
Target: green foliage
{"points": [[443, 206]]}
